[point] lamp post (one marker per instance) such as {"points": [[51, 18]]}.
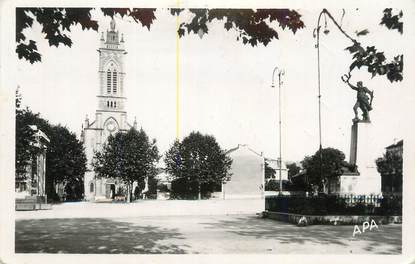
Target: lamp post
{"points": [[319, 90], [280, 74], [316, 33]]}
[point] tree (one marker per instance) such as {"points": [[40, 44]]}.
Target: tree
{"points": [[269, 171], [65, 160], [65, 156], [197, 160], [254, 26], [130, 157], [24, 138], [392, 21], [57, 23], [293, 169], [390, 167], [369, 57], [332, 162]]}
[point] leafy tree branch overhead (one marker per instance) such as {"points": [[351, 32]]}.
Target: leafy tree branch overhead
{"points": [[57, 23], [369, 57], [253, 27], [392, 21]]}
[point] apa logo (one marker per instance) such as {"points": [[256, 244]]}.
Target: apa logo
{"points": [[365, 226]]}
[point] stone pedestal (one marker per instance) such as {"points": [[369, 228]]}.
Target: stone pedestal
{"points": [[363, 154]]}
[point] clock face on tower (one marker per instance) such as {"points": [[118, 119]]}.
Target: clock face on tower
{"points": [[111, 126]]}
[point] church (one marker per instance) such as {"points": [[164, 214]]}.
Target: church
{"points": [[110, 115]]}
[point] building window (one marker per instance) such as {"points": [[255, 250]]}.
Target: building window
{"points": [[108, 81], [108, 103], [111, 104], [114, 81], [91, 187], [115, 104]]}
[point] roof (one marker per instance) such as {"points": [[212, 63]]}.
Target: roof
{"points": [[243, 146], [274, 163], [398, 144]]}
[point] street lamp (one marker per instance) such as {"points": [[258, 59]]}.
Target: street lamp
{"points": [[316, 33], [280, 74]]}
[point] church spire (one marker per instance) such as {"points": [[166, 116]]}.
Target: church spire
{"points": [[112, 24], [112, 36]]}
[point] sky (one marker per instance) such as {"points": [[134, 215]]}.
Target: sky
{"points": [[225, 86]]}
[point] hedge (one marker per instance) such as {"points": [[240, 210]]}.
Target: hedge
{"points": [[335, 205]]}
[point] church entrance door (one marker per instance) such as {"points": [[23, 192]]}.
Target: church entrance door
{"points": [[110, 191]]}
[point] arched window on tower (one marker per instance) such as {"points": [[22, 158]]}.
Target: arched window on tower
{"points": [[108, 81], [91, 187], [114, 81]]}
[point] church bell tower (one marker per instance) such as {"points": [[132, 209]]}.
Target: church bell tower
{"points": [[110, 115], [111, 99]]}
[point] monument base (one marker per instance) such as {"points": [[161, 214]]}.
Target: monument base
{"points": [[366, 180], [360, 185]]}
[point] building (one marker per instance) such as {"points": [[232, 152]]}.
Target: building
{"points": [[390, 168], [396, 148], [33, 182], [247, 174], [110, 115], [30, 188], [275, 165]]}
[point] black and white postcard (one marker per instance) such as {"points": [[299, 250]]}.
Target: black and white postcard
{"points": [[207, 132]]}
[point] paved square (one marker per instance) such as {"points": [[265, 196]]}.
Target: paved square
{"points": [[195, 234]]}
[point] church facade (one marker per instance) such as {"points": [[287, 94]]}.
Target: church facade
{"points": [[110, 115]]}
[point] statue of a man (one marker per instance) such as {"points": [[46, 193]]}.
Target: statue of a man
{"points": [[363, 102]]}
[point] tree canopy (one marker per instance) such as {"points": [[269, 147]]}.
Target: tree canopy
{"points": [[370, 57], [254, 26], [269, 171], [25, 150], [65, 156], [197, 160], [293, 169], [332, 161], [390, 167], [129, 157]]}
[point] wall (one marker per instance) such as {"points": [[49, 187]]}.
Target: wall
{"points": [[247, 180]]}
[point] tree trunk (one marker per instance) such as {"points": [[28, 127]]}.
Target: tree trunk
{"points": [[199, 195], [130, 191], [324, 186]]}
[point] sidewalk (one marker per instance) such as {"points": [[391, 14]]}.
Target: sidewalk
{"points": [[203, 234], [146, 208]]}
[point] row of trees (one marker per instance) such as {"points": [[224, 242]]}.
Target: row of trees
{"points": [[65, 157], [196, 164], [332, 165]]}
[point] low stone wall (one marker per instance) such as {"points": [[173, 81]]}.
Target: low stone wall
{"points": [[30, 203], [331, 219]]}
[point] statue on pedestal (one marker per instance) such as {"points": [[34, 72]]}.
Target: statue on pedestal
{"points": [[363, 102]]}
